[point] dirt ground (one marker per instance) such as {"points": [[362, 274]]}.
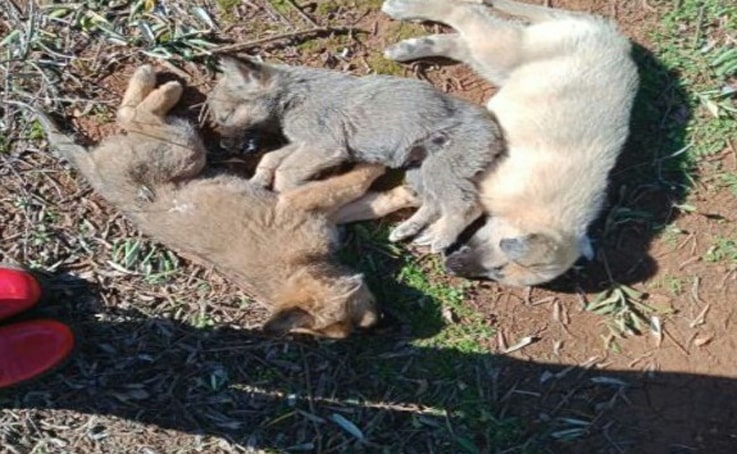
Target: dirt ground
{"points": [[178, 365]]}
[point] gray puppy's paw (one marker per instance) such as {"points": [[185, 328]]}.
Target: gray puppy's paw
{"points": [[404, 231], [437, 241]]}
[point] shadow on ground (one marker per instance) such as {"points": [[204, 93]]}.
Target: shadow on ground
{"points": [[259, 392]]}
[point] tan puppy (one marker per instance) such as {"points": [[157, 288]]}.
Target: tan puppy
{"points": [[566, 87], [278, 246]]}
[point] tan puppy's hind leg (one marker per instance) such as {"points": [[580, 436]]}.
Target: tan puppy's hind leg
{"points": [[331, 194], [140, 85], [375, 205], [160, 101]]}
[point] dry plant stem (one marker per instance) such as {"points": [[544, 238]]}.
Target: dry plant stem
{"points": [[302, 14], [235, 47]]}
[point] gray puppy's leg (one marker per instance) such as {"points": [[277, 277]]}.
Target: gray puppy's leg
{"points": [[305, 163], [415, 224], [266, 169], [446, 230], [443, 45]]}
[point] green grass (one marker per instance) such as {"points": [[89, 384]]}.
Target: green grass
{"points": [[724, 250], [417, 292], [682, 114], [704, 65], [228, 5], [138, 256]]}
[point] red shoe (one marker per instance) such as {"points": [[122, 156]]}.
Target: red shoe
{"points": [[19, 290], [28, 349]]}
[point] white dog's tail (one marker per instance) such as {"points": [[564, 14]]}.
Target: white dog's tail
{"points": [[534, 13]]}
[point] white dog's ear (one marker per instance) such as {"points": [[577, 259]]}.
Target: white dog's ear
{"points": [[584, 245], [530, 249]]}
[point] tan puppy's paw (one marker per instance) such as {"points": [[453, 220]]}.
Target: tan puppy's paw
{"points": [[370, 171], [160, 101], [141, 83]]}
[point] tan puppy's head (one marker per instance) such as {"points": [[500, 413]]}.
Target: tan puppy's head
{"points": [[507, 254], [325, 308]]}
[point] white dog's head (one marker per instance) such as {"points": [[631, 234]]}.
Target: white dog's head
{"points": [[505, 253]]}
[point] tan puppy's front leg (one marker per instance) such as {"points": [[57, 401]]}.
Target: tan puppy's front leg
{"points": [[331, 194], [375, 205]]}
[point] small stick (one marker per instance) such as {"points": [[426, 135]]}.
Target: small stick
{"points": [[701, 318], [524, 342], [302, 14], [257, 42], [678, 344]]}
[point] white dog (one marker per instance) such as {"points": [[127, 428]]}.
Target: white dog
{"points": [[566, 87]]}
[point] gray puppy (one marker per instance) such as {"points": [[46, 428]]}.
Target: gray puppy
{"points": [[330, 118]]}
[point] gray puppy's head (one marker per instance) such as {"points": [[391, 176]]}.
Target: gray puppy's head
{"points": [[246, 96], [506, 254]]}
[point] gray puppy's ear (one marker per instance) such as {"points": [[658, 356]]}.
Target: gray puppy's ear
{"points": [[286, 320], [529, 249], [246, 69]]}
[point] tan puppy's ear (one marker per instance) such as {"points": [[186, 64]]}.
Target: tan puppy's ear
{"points": [[287, 320], [529, 250]]}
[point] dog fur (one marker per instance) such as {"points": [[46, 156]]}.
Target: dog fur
{"points": [[331, 117], [566, 83], [277, 246]]}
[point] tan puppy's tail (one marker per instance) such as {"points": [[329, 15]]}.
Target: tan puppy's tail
{"points": [[66, 146], [533, 13]]}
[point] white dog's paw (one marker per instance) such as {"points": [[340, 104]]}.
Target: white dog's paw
{"points": [[403, 50], [404, 9]]}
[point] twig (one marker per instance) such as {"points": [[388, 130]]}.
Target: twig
{"points": [[695, 290], [524, 342], [302, 14], [257, 42], [678, 344], [701, 318]]}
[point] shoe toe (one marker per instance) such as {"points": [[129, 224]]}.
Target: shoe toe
{"points": [[28, 349], [19, 291]]}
